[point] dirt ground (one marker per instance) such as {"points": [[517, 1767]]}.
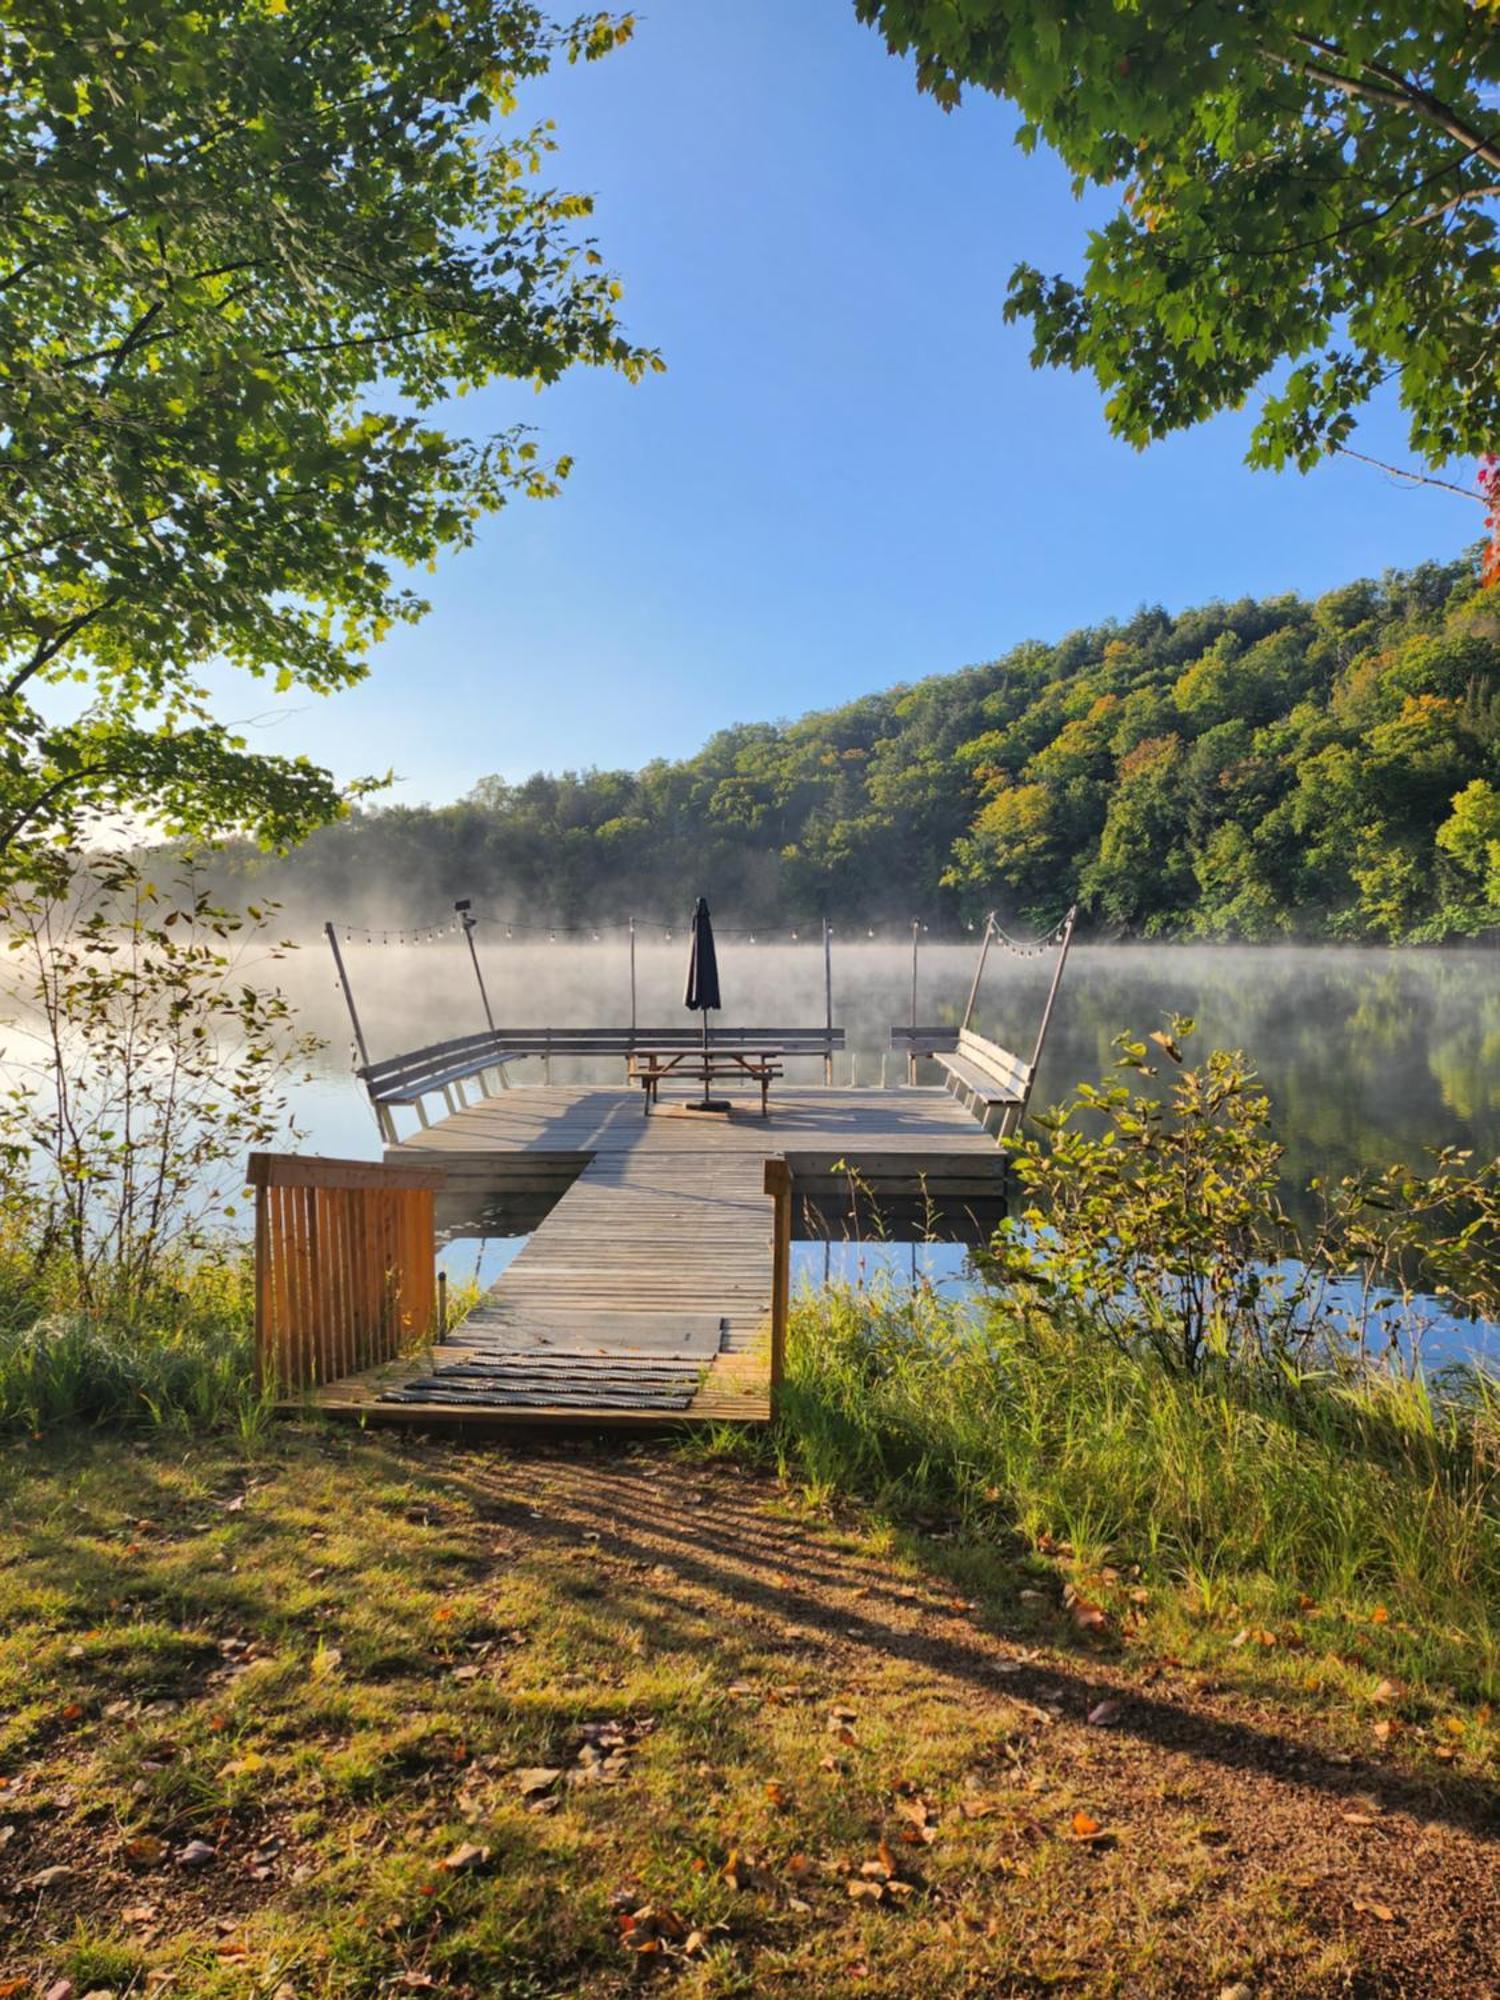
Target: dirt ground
{"points": [[488, 1722]]}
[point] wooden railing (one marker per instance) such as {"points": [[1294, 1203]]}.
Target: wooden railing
{"points": [[345, 1266]]}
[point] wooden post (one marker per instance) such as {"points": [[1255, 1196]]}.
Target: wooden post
{"points": [[984, 952], [828, 998], [778, 1184], [911, 1053], [264, 1376]]}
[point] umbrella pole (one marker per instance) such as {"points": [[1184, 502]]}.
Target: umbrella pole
{"points": [[705, 1059]]}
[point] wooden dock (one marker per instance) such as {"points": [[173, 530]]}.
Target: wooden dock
{"points": [[646, 1294]]}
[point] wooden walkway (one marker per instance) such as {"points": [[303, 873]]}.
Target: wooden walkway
{"points": [[644, 1296]]}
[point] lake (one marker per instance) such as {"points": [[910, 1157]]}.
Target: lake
{"points": [[1368, 1056]]}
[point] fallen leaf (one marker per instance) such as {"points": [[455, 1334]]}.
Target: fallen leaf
{"points": [[197, 1854], [1386, 1691], [1086, 1827], [49, 1878], [466, 1859], [1105, 1713], [1380, 1616], [536, 1782], [145, 1850], [865, 1892], [1382, 1912], [241, 1767]]}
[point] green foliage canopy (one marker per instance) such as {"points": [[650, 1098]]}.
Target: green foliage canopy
{"points": [[1314, 185], [246, 251]]}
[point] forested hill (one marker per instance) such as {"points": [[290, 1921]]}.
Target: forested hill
{"points": [[1244, 770]]}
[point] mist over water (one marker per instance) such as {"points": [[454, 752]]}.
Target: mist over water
{"points": [[1369, 1056]]}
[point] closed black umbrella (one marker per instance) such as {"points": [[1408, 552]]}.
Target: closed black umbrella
{"points": [[703, 989]]}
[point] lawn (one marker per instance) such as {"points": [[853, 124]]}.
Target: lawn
{"points": [[330, 1714]]}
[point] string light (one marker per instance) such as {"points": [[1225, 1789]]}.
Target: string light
{"points": [[596, 933]]}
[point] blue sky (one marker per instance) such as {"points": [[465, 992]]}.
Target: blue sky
{"points": [[850, 475]]}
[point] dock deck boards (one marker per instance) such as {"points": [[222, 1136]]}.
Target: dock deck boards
{"points": [[662, 1230]]}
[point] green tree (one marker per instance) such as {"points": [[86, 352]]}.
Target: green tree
{"points": [[1312, 185], [1470, 838], [247, 250]]}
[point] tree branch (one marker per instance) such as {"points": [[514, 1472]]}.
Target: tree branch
{"points": [[50, 648], [44, 799], [1396, 90], [1416, 478]]}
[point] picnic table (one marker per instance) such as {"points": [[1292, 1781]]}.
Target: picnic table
{"points": [[707, 1066]]}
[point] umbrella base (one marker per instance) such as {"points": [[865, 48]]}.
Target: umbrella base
{"points": [[719, 1104]]}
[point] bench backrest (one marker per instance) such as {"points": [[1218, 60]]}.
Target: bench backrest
{"points": [[468, 1054], [1006, 1069]]}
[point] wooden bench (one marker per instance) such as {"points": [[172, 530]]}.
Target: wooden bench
{"points": [[988, 1080], [444, 1066]]}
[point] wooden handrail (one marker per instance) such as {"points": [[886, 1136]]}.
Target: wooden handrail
{"points": [[345, 1266], [778, 1184]]}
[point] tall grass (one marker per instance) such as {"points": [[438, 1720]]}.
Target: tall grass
{"points": [[1237, 1482], [182, 1358]]}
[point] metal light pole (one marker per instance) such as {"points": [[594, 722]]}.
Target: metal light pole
{"points": [[465, 909], [984, 952], [338, 958]]}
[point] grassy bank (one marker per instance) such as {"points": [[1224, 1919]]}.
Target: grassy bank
{"points": [[1353, 1527], [341, 1715], [178, 1356]]}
